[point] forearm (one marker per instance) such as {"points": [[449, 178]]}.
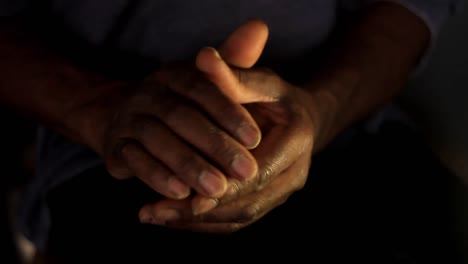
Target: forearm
{"points": [[369, 63], [39, 83]]}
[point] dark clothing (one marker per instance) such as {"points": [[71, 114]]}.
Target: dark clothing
{"points": [[380, 198]]}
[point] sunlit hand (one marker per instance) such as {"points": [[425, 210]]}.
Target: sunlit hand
{"points": [[176, 131], [283, 156]]}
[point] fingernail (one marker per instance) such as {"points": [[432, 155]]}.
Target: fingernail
{"points": [[244, 167], [165, 216], [204, 205], [249, 136], [179, 189], [215, 52], [212, 183]]}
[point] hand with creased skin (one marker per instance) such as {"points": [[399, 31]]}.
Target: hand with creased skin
{"points": [[174, 134], [178, 134], [284, 155], [366, 66], [177, 131]]}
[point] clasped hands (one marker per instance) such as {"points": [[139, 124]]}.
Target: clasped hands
{"points": [[224, 141]]}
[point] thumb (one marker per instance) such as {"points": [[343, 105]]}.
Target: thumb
{"points": [[242, 49], [245, 45], [239, 85]]}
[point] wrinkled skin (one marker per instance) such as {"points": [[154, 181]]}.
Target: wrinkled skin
{"points": [[288, 124], [162, 135], [178, 109]]}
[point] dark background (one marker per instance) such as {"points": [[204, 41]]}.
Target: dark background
{"points": [[437, 99]]}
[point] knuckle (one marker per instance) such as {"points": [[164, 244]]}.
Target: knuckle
{"points": [[220, 147], [187, 163], [265, 175], [234, 191], [249, 213]]}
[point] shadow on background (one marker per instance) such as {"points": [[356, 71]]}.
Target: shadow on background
{"points": [[438, 101]]}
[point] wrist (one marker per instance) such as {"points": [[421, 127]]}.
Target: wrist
{"points": [[331, 96]]}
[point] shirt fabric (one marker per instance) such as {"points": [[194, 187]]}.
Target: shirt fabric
{"points": [[167, 30]]}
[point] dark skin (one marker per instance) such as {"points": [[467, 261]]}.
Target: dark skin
{"points": [[368, 67], [105, 115]]}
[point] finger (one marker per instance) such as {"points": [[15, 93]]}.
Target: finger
{"points": [[240, 212], [242, 49], [178, 156], [162, 212], [209, 61], [153, 172], [114, 162], [230, 116], [188, 123], [279, 149], [240, 86], [245, 45]]}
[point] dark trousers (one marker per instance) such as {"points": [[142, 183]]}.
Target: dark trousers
{"points": [[382, 198]]}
